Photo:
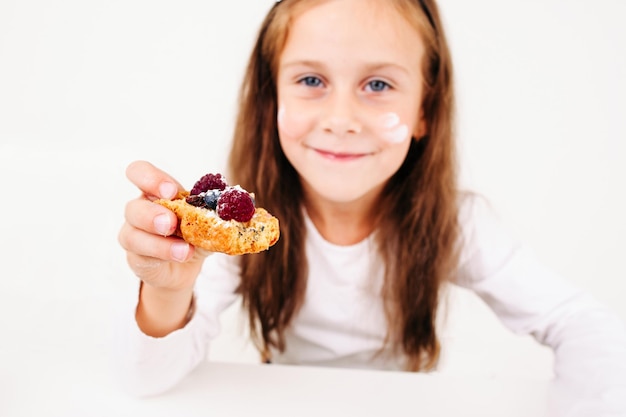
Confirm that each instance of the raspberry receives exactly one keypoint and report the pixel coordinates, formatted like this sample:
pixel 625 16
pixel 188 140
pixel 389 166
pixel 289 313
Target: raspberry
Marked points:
pixel 235 204
pixel 209 182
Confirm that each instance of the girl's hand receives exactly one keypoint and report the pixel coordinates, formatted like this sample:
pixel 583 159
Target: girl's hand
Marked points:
pixel 158 258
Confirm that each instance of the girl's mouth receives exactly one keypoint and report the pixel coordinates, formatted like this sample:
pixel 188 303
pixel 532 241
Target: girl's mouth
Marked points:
pixel 339 156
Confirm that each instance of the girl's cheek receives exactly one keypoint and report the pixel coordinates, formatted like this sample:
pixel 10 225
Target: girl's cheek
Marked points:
pixel 293 125
pixel 391 129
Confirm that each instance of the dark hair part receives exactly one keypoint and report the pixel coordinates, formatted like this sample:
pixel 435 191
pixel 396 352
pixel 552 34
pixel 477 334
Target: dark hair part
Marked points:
pixel 416 230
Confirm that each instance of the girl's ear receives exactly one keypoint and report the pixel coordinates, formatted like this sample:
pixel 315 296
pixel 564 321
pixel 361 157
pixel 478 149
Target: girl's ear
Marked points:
pixel 421 128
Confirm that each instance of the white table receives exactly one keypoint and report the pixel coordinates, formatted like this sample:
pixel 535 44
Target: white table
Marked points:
pixel 43 384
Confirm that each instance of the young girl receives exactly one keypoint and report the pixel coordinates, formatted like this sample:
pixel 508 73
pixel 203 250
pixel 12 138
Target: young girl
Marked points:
pixel 345 133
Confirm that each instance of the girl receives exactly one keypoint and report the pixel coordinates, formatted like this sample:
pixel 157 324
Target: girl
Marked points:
pixel 345 134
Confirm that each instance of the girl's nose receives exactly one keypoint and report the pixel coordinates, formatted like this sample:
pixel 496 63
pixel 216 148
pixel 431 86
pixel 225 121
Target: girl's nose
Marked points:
pixel 340 117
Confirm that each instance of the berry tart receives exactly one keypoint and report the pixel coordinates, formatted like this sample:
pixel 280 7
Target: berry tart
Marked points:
pixel 222 218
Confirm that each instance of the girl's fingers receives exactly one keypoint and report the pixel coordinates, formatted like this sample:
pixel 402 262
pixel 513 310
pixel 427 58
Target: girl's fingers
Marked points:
pixel 147 245
pixel 150 217
pixel 145 268
pixel 153 182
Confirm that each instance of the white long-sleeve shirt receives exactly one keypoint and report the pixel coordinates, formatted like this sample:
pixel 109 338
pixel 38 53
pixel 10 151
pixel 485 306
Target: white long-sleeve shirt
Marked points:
pixel 342 322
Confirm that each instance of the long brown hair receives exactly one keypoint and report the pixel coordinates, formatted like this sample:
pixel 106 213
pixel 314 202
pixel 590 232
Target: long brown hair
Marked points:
pixel 417 224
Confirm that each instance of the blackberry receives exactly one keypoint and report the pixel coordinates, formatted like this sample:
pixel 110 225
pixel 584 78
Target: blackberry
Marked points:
pixel 209 182
pixel 235 204
pixel 196 200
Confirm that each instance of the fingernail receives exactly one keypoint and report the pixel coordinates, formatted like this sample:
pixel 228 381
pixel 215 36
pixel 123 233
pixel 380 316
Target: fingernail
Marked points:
pixel 162 224
pixel 167 190
pixel 179 251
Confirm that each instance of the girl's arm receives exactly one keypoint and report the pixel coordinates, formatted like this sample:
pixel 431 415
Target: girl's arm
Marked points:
pixel 588 340
pixel 161 311
pixel 149 365
pixel 166 265
pixel 164 338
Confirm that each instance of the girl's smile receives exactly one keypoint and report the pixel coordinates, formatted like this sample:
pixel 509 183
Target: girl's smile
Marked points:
pixel 340 156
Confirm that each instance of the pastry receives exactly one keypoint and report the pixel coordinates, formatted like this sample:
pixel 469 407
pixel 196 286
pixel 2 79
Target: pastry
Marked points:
pixel 222 218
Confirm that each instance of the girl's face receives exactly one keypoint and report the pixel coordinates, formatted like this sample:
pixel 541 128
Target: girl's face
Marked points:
pixel 349 91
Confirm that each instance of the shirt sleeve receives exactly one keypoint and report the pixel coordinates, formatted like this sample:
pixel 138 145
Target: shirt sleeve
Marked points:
pixel 588 340
pixel 151 365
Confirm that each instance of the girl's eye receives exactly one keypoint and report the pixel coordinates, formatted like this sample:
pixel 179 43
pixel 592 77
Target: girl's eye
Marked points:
pixel 377 86
pixel 311 81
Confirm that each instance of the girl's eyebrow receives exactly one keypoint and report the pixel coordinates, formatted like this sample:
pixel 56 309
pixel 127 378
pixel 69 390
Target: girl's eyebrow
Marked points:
pixel 302 63
pixel 387 65
pixel 374 66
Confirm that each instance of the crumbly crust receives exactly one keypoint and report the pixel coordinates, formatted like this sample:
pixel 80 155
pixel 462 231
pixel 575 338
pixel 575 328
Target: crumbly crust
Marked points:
pixel 203 228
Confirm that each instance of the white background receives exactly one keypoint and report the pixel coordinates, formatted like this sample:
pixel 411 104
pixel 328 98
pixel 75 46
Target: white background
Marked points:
pixel 87 87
